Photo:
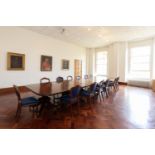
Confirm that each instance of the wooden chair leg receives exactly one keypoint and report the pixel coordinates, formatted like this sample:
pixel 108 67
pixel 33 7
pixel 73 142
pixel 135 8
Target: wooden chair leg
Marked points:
pixel 35 111
pixel 18 113
pixel 71 110
pixel 100 97
pixel 72 121
pixel 78 104
pixel 30 108
pixel 107 94
pixel 93 99
pixel 118 87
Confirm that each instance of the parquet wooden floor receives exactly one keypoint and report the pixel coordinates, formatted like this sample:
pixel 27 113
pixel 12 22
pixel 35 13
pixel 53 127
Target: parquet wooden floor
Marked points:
pixel 129 107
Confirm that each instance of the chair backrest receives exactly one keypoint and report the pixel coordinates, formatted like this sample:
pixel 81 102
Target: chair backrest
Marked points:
pixel 75 91
pixel 117 79
pixel 59 79
pixel 107 83
pixel 86 76
pixel 45 80
pixel 78 77
pixel 69 78
pixel 93 87
pixel 17 92
pixel 100 84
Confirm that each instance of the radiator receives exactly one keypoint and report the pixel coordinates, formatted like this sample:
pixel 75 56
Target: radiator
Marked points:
pixel 145 84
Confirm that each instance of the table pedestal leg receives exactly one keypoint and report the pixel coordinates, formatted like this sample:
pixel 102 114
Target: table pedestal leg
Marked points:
pixel 45 103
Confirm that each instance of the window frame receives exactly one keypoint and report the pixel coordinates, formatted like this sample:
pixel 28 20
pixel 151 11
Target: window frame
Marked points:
pixel 136 45
pixel 96 63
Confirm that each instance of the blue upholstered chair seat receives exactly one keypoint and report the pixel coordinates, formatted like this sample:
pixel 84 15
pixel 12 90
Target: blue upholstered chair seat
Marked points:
pixel 29 101
pixel 87 93
pixel 90 92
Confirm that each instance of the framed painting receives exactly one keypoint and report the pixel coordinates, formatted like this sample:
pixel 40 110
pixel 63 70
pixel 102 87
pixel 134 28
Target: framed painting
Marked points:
pixel 15 61
pixel 46 63
pixel 65 64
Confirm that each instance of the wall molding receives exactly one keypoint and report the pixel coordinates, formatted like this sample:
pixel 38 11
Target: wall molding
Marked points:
pixel 123 83
pixel 10 90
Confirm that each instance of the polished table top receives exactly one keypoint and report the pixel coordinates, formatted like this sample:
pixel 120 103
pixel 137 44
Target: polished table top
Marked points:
pixel 49 89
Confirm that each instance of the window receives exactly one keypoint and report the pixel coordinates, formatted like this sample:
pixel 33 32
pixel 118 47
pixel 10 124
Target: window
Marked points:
pixel 101 63
pixel 140 62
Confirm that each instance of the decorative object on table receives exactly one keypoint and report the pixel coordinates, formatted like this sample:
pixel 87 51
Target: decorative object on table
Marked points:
pixel 15 61
pixel 46 63
pixel 65 64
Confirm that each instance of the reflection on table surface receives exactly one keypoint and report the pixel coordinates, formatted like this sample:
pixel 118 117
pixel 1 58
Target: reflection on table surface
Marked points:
pixel 48 89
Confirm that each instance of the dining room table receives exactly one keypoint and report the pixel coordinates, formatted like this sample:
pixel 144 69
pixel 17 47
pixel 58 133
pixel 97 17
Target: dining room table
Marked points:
pixel 45 91
pixel 49 89
pixel 52 88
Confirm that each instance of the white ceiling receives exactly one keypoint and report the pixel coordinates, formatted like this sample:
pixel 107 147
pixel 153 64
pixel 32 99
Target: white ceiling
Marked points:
pixel 95 36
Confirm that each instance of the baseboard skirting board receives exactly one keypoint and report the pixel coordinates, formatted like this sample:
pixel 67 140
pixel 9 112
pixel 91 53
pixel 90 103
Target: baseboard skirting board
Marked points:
pixel 123 83
pixel 10 90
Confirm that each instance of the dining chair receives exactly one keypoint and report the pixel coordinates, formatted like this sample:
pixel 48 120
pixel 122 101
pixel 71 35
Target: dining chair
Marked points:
pixel 98 89
pixel 105 88
pixel 59 79
pixel 117 83
pixel 70 101
pixel 114 84
pixel 90 93
pixel 57 97
pixel 45 80
pixel 78 77
pixel 72 98
pixel 69 78
pixel 25 102
pixel 86 77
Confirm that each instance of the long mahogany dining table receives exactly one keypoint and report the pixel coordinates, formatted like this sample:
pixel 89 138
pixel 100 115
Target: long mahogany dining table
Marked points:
pixel 52 88
pixel 46 90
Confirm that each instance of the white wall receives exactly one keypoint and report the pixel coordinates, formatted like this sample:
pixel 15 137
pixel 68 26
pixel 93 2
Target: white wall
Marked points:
pixel 33 45
pixel 118 59
pixel 90 61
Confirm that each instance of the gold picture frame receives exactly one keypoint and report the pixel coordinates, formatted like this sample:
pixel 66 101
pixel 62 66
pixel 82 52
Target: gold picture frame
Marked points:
pixel 65 64
pixel 46 63
pixel 15 61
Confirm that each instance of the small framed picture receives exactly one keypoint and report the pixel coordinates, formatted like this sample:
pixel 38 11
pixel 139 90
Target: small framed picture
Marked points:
pixel 46 63
pixel 15 61
pixel 65 64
